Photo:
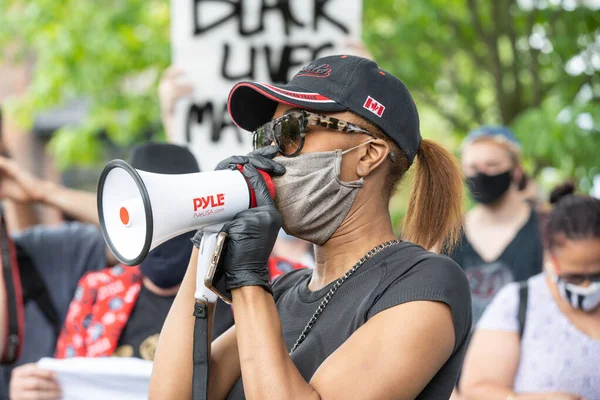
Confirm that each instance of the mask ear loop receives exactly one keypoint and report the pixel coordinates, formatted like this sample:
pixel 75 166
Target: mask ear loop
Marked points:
pixel 357 146
pixel 361 181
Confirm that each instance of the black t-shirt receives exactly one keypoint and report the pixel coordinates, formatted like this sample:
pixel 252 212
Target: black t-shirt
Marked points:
pixel 522 258
pixel 402 273
pixel 61 255
pixel 140 335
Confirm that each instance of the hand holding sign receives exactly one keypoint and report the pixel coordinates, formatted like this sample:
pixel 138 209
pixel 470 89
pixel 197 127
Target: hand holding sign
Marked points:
pixel 29 381
pixel 173 87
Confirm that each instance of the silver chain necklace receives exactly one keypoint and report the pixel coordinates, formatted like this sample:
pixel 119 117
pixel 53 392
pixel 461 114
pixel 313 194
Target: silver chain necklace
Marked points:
pixel 335 287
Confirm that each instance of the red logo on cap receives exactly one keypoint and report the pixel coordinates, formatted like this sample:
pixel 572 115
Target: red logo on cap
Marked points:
pixel 374 106
pixel 316 71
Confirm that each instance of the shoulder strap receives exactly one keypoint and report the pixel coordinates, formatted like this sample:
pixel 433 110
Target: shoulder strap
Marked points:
pixel 200 353
pixel 522 313
pixel 34 288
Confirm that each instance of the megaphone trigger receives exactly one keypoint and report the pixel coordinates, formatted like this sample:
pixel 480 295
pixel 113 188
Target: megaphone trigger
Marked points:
pixel 268 181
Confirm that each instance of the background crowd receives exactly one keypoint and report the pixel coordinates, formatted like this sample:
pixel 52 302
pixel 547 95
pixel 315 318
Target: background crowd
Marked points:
pixel 511 87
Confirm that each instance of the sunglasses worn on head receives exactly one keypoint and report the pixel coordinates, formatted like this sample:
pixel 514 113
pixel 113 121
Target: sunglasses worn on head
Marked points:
pixel 289 130
pixel 578 279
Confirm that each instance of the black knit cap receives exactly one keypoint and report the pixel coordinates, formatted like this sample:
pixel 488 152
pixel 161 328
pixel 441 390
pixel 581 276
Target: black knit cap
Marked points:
pixel 163 158
pixel 334 84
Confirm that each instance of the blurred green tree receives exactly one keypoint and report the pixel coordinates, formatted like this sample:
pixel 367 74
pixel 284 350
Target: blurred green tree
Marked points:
pixel 529 64
pixel 109 53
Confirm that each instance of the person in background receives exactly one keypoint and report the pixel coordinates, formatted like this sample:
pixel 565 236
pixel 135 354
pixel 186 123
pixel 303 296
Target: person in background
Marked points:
pixel 552 351
pixel 22 188
pixel 120 310
pixel 501 240
pixel 51 259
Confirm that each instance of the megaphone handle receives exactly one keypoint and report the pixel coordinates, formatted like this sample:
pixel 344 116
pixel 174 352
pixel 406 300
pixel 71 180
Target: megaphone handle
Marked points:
pixel 205 253
pixel 201 364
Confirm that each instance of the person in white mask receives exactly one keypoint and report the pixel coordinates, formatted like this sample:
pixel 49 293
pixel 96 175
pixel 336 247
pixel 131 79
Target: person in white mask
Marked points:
pixel 544 335
pixel 378 317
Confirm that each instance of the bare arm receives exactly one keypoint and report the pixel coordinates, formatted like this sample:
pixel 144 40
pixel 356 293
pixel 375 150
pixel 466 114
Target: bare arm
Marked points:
pixel 24 189
pixel 490 380
pixel 172 371
pixel 79 204
pixel 403 360
pixel 482 379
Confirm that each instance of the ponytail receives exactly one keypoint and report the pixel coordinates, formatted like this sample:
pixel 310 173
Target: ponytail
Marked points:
pixel 435 208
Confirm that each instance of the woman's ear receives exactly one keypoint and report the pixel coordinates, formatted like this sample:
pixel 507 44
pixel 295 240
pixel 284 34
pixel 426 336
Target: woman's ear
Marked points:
pixel 551 264
pixel 375 153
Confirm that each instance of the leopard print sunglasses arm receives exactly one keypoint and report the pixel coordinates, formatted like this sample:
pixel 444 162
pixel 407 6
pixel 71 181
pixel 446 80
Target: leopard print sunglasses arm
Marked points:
pixel 340 125
pixel 333 123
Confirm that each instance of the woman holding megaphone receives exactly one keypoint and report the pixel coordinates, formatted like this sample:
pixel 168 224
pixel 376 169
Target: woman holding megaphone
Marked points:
pixel 378 317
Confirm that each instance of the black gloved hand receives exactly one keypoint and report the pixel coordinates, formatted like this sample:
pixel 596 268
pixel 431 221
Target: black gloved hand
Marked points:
pixel 261 158
pixel 251 237
pixel 258 273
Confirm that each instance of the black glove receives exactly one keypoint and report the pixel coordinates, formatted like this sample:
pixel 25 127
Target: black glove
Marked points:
pixel 251 237
pixel 260 158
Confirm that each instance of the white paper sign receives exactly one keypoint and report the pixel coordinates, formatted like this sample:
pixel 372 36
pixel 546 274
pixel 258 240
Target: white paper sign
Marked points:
pixel 221 42
pixel 102 378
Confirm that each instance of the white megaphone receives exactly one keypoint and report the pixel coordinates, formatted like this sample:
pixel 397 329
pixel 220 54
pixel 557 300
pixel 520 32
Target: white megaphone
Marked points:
pixel 140 210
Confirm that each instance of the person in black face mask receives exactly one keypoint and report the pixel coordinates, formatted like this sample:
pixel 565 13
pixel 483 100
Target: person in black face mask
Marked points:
pixel 501 241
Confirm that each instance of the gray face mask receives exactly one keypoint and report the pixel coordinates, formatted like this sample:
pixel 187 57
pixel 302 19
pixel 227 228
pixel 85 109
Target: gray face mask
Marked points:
pixel 311 197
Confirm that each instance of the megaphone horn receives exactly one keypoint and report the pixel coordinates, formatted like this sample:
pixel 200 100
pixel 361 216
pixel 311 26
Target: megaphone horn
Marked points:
pixel 139 210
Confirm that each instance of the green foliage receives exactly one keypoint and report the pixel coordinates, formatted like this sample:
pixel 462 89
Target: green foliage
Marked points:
pixel 109 52
pixel 468 62
pixel 477 62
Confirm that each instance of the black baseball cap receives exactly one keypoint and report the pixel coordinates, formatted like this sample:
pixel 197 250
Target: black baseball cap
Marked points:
pixel 163 158
pixel 334 84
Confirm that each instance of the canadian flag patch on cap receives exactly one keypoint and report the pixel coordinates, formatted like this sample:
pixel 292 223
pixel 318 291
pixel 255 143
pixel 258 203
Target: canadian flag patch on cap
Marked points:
pixel 374 106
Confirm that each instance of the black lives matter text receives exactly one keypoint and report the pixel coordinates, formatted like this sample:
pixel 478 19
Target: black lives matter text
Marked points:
pixel 281 60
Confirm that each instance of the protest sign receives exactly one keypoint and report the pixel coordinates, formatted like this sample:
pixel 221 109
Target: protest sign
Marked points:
pixel 221 42
pixel 101 378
